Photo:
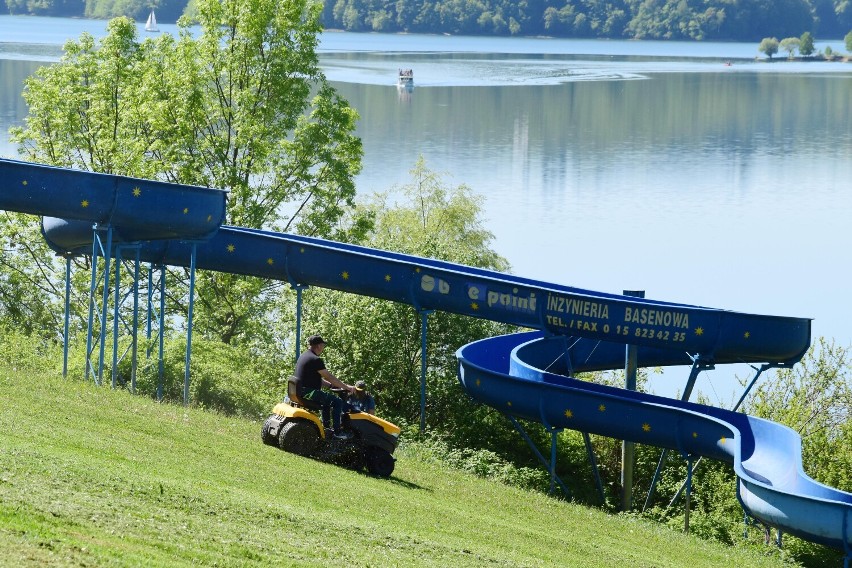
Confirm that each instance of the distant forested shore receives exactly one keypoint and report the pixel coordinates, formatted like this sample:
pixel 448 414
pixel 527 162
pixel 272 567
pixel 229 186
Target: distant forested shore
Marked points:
pixel 717 20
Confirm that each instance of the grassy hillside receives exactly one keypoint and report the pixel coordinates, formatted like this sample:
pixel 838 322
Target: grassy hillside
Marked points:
pixel 95 477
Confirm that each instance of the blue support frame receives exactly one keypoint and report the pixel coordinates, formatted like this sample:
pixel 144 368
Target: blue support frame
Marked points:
pixel 592 460
pixel 67 315
pixel 119 300
pixel 160 313
pixel 424 328
pixel 540 456
pixel 98 246
pixel 698 365
pixel 192 259
pixel 299 288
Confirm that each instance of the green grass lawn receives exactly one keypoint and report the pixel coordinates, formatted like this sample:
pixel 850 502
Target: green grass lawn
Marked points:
pixel 90 476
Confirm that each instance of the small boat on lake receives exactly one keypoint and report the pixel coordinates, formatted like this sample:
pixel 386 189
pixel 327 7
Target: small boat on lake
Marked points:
pixel 405 79
pixel 151 24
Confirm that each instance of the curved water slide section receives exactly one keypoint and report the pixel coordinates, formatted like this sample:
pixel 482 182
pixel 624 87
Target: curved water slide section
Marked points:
pixel 506 373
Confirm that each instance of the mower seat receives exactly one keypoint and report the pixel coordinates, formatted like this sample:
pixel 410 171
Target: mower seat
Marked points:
pixel 296 400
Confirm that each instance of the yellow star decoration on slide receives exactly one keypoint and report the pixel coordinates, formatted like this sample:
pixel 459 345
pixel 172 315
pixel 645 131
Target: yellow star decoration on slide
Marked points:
pixel 85 203
pixel 270 261
pixel 137 192
pixel 302 250
pixel 479 382
pixel 646 427
pixel 695 434
pixel 722 440
pixel 602 408
pixel 569 414
pixel 209 218
pixel 387 277
pixel 509 403
pixel 474 306
pixel 185 210
pixel 345 275
pixel 699 331
pixel 231 248
pixel 747 334
pixel 24 182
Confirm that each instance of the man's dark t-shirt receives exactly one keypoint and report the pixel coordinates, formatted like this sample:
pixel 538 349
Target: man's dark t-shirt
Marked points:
pixel 307 373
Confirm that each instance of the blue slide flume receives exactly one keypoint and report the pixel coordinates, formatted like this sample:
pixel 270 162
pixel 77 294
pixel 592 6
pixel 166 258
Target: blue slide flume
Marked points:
pixel 525 375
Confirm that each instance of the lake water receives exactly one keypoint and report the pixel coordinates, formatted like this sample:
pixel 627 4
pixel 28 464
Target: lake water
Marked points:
pixel 607 165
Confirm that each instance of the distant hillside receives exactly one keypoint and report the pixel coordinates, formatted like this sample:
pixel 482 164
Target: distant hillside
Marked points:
pixel 94 477
pixel 748 20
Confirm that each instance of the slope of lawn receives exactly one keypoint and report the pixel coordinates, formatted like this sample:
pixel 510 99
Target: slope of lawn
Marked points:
pixel 91 476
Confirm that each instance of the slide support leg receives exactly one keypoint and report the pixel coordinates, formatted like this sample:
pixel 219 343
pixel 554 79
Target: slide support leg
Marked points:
pixel 67 315
pixel 697 367
pixel 628 448
pixel 592 460
pixel 424 320
pixel 189 324
pixel 538 454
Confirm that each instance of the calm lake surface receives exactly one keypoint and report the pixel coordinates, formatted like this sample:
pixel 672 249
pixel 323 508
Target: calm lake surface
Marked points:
pixel 607 165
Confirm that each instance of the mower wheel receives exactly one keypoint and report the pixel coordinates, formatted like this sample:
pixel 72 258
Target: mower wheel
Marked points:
pixel 379 461
pixel 298 437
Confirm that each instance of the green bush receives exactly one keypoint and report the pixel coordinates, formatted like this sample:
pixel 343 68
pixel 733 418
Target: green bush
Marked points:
pixel 480 462
pixel 223 378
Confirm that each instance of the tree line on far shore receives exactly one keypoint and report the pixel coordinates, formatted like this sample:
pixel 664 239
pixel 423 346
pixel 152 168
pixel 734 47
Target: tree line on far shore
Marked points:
pixel 804 45
pixel 749 20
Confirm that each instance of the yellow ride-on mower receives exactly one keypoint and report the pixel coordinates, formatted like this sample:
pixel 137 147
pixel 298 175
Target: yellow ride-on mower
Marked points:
pixel 294 426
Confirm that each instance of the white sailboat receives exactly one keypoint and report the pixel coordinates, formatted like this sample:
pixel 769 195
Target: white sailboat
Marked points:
pixel 151 24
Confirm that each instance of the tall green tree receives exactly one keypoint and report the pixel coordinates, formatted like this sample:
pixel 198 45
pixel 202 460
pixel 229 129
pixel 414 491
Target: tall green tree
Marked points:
pixel 238 103
pixel 790 45
pixel 806 44
pixel 768 46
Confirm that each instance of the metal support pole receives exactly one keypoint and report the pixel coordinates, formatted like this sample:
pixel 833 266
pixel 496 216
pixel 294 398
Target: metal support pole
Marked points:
pixel 537 453
pixel 751 384
pixel 67 315
pixel 697 367
pixel 91 320
pixel 107 258
pixel 115 305
pixel 553 436
pixel 590 451
pixel 189 324
pixel 161 366
pixel 628 448
pixel 133 363
pixel 149 310
pixel 688 492
pixel 424 315
pixel 298 288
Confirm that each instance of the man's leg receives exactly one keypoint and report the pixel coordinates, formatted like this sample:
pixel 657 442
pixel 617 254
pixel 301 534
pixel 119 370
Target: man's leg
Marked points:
pixel 325 400
pixel 326 413
pixel 337 409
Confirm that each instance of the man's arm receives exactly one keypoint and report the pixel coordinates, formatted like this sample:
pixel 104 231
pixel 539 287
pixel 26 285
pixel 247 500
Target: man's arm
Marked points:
pixel 334 381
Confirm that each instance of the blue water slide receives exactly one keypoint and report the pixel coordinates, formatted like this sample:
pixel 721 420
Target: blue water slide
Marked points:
pixel 505 373
pixel 526 374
